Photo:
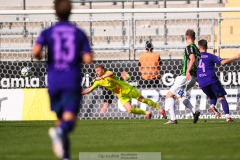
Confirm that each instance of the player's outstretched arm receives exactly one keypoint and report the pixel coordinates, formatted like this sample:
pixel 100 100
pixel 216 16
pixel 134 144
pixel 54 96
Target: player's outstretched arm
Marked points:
pixel 125 75
pixel 229 60
pixel 37 52
pixel 86 91
pixel 107 74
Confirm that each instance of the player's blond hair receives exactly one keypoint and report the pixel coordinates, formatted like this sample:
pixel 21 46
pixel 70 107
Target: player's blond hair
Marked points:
pixel 99 66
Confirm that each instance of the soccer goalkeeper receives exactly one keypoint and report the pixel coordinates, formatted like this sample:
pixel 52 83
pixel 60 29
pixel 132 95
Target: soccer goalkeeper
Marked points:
pixel 124 91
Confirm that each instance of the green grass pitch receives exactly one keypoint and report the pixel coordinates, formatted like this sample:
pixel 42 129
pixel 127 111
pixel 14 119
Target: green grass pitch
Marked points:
pixel 211 140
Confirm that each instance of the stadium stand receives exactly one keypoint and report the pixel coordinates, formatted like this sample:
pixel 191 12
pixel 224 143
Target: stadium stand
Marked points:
pixel 111 35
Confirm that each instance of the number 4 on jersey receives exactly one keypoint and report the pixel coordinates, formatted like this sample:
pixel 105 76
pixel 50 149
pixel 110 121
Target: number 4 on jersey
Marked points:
pixel 201 65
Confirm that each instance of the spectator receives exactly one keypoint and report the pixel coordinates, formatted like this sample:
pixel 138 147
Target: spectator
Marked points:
pixel 149 66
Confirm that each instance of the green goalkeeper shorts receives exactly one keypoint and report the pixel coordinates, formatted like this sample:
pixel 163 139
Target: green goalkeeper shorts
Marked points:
pixel 134 93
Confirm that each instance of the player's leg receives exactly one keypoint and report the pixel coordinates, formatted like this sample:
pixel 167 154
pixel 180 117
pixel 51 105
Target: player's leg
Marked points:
pixel 71 109
pixel 107 97
pixel 55 103
pixel 70 100
pixel 213 108
pixel 170 107
pixel 130 109
pixel 186 86
pixel 225 107
pixel 213 99
pixel 220 93
pixel 64 129
pixel 59 117
pixel 177 90
pixel 126 102
pixel 137 95
pixel 104 106
pixel 152 104
pixel 183 99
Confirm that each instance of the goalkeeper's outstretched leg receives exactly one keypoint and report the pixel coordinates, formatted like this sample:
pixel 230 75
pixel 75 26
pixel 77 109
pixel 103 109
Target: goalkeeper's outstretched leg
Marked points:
pixel 135 94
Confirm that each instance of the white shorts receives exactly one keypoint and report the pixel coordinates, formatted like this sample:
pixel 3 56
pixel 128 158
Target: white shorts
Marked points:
pixel 182 85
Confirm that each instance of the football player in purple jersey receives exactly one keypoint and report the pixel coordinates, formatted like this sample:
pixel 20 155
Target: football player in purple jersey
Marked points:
pixel 67 47
pixel 208 80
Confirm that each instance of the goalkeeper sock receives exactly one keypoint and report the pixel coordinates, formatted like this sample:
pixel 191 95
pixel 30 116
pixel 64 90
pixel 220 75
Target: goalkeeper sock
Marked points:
pixel 225 106
pixel 137 111
pixel 150 103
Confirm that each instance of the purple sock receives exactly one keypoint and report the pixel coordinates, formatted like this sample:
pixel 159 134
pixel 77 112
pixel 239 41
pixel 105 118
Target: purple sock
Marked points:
pixel 213 101
pixel 66 146
pixel 225 106
pixel 66 128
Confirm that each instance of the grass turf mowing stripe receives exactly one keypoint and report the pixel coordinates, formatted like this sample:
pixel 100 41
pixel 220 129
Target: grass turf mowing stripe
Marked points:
pixel 214 139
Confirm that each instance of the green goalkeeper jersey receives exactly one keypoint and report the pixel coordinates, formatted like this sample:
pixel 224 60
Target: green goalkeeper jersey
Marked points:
pixel 112 83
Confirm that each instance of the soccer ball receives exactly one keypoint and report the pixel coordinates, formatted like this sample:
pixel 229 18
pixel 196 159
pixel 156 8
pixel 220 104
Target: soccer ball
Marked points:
pixel 26 72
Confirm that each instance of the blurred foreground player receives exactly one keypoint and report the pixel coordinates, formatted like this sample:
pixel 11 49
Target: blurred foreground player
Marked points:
pixel 67 47
pixel 208 80
pixel 124 91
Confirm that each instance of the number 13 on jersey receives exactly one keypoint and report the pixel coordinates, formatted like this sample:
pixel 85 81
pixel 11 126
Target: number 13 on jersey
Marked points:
pixel 63 48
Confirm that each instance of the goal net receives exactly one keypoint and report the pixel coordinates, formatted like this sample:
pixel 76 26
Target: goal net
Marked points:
pixel 117 40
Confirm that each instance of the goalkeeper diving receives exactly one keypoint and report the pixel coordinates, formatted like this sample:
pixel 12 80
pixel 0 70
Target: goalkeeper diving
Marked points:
pixel 124 91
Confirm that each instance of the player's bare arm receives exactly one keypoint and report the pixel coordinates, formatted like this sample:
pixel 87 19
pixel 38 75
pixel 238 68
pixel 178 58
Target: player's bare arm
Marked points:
pixel 86 91
pixel 125 75
pixel 229 60
pixel 190 66
pixel 37 52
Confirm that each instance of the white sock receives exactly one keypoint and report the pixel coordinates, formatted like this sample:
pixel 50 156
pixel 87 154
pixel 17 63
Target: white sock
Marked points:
pixel 169 104
pixel 227 116
pixel 187 103
pixel 212 106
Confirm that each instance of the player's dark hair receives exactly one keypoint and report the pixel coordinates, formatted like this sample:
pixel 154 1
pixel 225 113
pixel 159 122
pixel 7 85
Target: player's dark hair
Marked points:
pixel 149 46
pixel 63 9
pixel 99 66
pixel 203 44
pixel 190 33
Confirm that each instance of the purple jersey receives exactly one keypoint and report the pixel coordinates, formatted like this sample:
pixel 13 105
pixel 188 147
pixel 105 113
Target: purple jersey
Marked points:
pixel 206 69
pixel 65 44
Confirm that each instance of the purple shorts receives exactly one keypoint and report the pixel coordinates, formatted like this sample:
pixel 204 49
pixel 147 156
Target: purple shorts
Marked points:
pixel 214 91
pixel 64 101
